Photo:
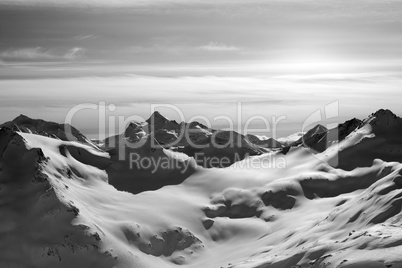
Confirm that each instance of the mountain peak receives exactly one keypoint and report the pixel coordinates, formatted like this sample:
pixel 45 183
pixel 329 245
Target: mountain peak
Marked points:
pixel 158 121
pixel 318 129
pixel 384 113
pixel 21 116
pixel 348 126
pixel 157 118
pixel 22 119
pixel 26 124
pixel 382 118
pixel 157 115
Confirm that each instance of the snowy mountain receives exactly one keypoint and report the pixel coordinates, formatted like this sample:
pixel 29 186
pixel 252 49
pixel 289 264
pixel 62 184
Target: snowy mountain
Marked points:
pixel 69 204
pixel 286 141
pixel 193 139
pixel 320 138
pixel 25 124
pixel 265 142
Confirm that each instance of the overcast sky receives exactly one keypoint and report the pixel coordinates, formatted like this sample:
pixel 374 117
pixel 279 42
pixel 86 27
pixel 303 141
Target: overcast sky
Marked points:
pixel 277 57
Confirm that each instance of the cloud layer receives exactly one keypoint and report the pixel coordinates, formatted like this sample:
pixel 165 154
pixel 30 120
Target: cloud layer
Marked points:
pixel 40 54
pixel 204 55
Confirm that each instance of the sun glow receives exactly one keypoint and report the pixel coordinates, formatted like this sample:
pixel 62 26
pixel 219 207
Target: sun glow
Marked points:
pixel 313 63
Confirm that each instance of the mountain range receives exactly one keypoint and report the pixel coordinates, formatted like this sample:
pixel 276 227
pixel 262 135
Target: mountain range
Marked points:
pixel 335 200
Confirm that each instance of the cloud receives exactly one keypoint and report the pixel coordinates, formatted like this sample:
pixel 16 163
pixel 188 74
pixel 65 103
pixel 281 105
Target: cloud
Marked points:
pixel 181 48
pixel 83 37
pixel 117 3
pixel 74 53
pixel 158 48
pixel 26 53
pixel 39 54
pixel 218 47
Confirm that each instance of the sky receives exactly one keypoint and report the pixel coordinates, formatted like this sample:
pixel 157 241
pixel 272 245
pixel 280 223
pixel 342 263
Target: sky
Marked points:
pixel 275 59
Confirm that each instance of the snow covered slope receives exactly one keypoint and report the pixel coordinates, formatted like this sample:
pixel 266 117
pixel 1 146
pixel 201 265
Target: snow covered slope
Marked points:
pixel 316 209
pixel 36 227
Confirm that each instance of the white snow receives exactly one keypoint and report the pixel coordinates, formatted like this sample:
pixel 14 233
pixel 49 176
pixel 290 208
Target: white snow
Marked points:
pixel 262 137
pixel 291 138
pixel 306 213
pixel 208 133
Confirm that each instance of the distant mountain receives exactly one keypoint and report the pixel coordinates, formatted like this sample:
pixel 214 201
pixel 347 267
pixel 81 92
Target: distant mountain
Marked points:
pixel 265 143
pixel 384 122
pixel 286 141
pixel 157 121
pixel 312 136
pixel 320 138
pixel 26 124
pixel 384 142
pixel 210 147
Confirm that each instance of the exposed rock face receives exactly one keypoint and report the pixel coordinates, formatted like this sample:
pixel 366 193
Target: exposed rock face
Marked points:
pixel 45 128
pixel 384 122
